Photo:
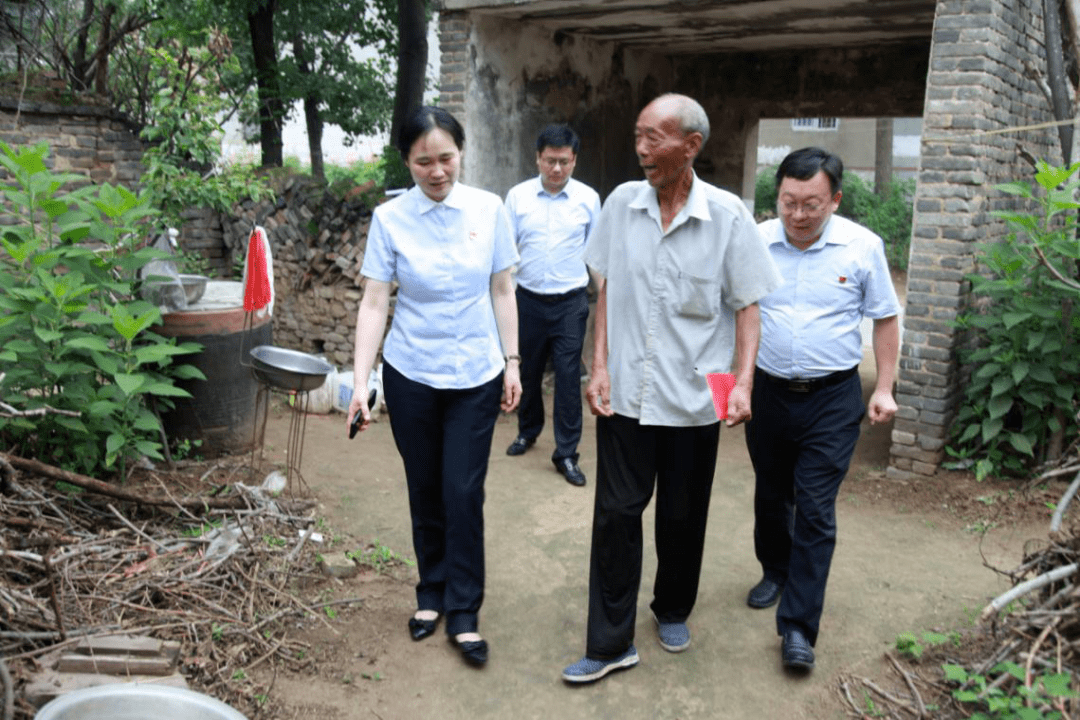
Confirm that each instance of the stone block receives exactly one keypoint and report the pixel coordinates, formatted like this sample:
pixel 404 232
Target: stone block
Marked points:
pixel 931 443
pixel 903 438
pixel 914 453
pixel 901 471
pixel 898 465
pixel 925 468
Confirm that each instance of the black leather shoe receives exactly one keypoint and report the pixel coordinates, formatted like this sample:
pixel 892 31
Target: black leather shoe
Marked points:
pixel 420 629
pixel 796 651
pixel 570 470
pixel 520 445
pixel 764 594
pixel 474 652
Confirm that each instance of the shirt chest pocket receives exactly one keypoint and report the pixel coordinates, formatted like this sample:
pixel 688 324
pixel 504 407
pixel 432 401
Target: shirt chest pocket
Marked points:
pixel 696 297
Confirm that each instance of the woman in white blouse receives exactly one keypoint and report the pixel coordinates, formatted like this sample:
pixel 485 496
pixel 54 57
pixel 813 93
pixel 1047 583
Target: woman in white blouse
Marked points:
pixel 450 356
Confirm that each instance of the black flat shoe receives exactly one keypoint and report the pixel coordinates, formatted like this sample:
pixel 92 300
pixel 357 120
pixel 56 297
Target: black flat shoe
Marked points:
pixel 420 629
pixel 474 652
pixel 520 445
pixel 796 652
pixel 765 594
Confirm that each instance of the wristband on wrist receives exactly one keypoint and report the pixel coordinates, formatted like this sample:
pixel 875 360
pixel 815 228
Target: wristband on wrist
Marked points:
pixel 508 358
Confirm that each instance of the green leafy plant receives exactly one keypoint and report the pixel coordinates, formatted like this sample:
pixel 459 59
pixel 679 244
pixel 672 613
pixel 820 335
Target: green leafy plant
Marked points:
pixel 79 357
pixel 1022 391
pixel 378 556
pixel 183 161
pixel 888 214
pixel 1010 699
pixel 911 645
pixel 395 173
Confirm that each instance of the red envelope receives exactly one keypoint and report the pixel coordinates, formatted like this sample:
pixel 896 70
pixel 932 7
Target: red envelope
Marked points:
pixel 720 384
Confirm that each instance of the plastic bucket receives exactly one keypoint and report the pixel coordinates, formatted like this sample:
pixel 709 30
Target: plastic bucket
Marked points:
pixel 221 410
pixel 136 702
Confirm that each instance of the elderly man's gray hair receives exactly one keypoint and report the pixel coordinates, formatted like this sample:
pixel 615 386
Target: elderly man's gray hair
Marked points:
pixel 690 114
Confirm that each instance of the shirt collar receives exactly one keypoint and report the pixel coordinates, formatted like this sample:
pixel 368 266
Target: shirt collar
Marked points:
pixel 697 204
pixel 831 235
pixel 540 190
pixel 424 204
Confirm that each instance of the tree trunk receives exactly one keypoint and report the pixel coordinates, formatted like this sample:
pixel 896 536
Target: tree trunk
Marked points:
pixel 312 116
pixel 79 80
pixel 271 109
pixel 883 156
pixel 101 72
pixel 1056 78
pixel 412 62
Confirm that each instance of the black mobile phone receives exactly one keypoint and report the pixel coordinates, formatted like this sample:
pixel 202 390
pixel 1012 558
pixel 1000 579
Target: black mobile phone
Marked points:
pixel 355 426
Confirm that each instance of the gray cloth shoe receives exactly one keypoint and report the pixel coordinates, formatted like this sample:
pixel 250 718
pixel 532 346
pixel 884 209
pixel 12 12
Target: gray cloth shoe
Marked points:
pixel 674 637
pixel 587 669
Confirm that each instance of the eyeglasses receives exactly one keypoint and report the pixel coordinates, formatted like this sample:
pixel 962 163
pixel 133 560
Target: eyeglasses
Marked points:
pixel 552 163
pixel 808 208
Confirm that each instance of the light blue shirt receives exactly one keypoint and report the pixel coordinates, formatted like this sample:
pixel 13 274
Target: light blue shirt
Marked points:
pixel 672 297
pixel 443 256
pixel 551 232
pixel 810 325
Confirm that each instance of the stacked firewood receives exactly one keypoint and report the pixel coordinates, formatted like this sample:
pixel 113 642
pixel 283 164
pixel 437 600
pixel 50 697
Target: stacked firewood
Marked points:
pixel 317 238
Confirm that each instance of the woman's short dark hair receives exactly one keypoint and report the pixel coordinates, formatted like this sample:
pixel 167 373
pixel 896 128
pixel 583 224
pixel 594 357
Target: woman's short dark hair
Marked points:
pixel 557 136
pixel 423 120
pixel 806 163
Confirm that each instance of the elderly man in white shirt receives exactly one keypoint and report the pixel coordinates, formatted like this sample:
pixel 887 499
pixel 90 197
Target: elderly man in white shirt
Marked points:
pixel 552 216
pixel 682 267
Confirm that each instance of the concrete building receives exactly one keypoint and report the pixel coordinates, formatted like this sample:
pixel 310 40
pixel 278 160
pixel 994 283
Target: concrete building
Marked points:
pixel 510 66
pixel 853 139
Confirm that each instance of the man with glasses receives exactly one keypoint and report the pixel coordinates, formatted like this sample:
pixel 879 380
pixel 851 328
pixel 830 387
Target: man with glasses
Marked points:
pixel 552 216
pixel 806 405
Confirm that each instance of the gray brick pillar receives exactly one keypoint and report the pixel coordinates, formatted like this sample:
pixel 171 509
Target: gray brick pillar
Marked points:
pixel 978 101
pixel 454 30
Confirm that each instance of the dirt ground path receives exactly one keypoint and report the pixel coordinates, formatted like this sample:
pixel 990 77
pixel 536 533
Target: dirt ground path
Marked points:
pixel 904 562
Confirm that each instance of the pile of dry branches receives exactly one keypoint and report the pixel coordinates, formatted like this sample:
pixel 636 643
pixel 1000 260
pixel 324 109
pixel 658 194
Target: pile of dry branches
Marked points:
pixel 218 573
pixel 1034 628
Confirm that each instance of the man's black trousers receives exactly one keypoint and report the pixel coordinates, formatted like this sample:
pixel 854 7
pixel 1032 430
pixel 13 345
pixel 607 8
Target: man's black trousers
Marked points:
pixel 632 459
pixel 801 445
pixel 444 438
pixel 552 325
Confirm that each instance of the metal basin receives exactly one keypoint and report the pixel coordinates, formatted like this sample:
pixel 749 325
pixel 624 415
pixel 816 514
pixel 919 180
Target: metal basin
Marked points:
pixel 289 369
pixel 136 702
pixel 194 287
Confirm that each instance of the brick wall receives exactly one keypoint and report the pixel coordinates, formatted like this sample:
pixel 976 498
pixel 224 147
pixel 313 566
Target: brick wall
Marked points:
pixel 454 31
pixel 93 141
pixel 976 88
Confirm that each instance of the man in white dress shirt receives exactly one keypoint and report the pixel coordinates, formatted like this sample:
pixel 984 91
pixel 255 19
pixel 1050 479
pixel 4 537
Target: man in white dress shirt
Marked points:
pixel 807 397
pixel 552 216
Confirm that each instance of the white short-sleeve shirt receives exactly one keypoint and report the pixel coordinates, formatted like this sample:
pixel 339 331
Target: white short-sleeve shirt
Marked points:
pixel 810 325
pixel 551 232
pixel 672 297
pixel 442 254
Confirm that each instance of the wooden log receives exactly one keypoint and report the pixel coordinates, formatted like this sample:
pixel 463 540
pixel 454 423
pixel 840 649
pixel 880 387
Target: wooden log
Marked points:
pixel 103 488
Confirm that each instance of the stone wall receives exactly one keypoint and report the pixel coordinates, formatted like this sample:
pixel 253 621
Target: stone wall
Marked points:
pixel 317 243
pixel 976 89
pixel 93 141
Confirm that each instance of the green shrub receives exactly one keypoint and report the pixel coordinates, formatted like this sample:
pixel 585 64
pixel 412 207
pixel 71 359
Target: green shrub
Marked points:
pixel 888 215
pixel 75 341
pixel 1005 695
pixel 1023 361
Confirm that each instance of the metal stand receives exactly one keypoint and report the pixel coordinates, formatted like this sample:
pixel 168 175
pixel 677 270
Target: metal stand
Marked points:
pixel 294 444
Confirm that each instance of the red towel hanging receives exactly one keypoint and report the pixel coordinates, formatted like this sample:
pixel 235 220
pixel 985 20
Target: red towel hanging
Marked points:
pixel 257 290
